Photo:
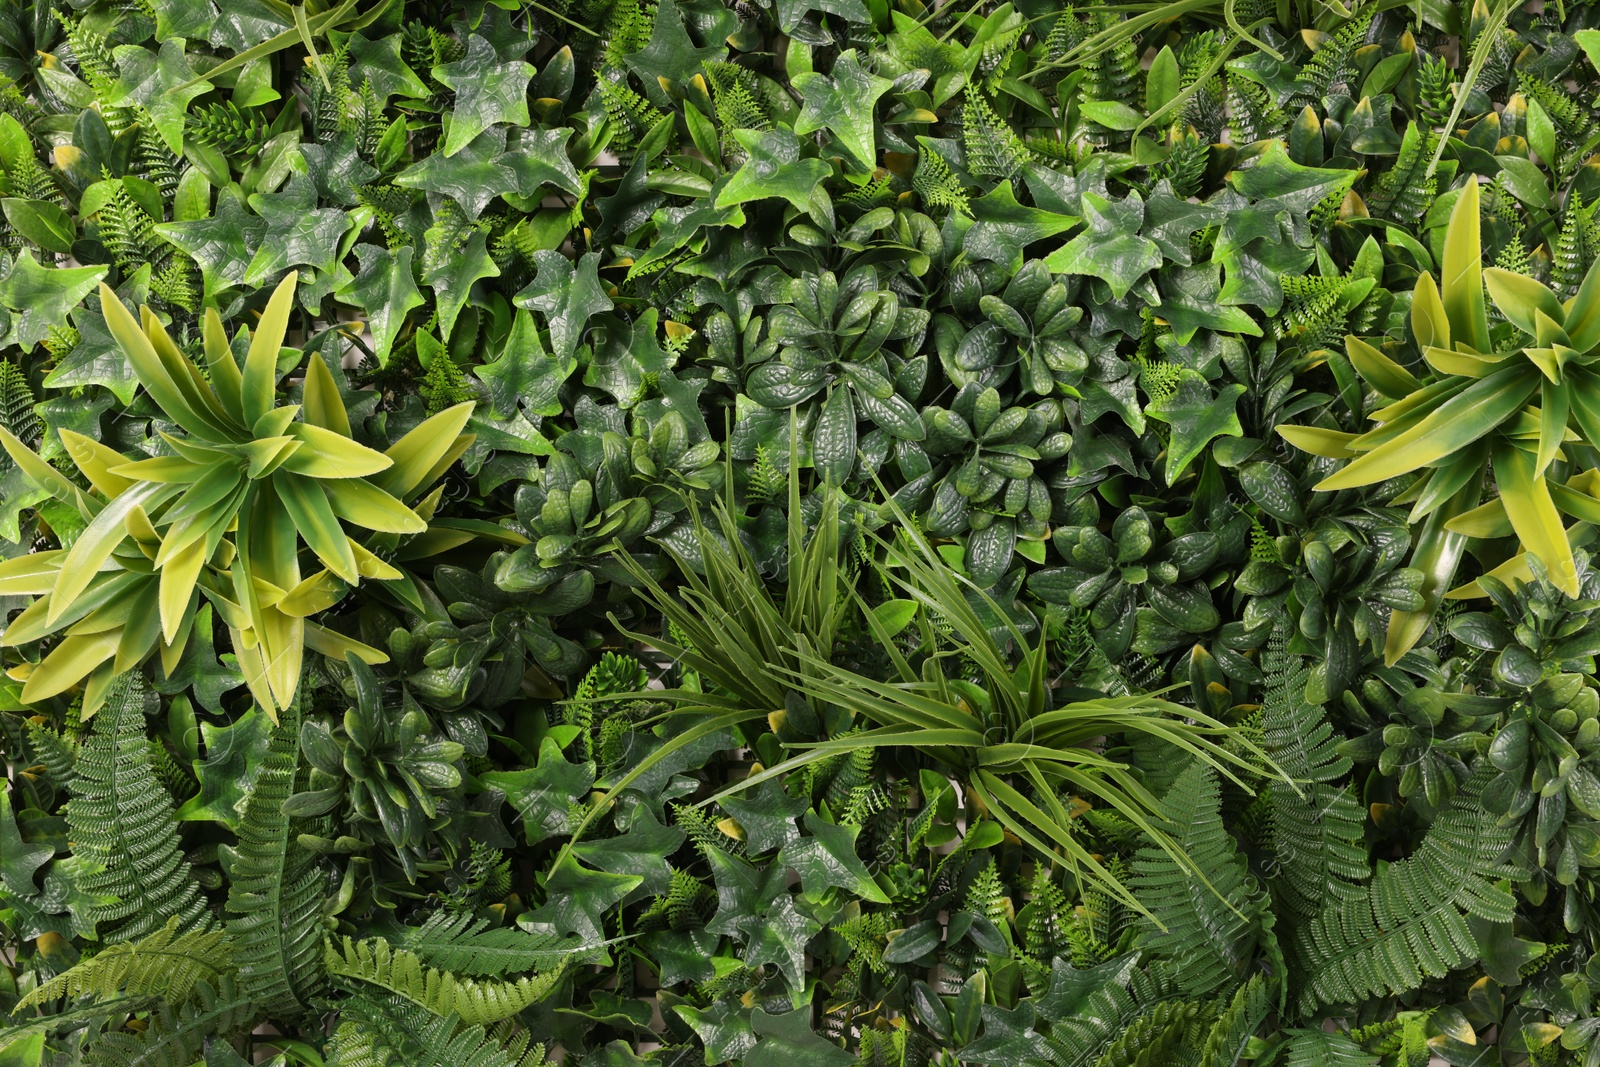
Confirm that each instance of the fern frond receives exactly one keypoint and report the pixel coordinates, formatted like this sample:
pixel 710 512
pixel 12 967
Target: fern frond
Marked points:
pixel 1329 65
pixel 1317 1048
pixel 165 964
pixel 176 1037
pixel 1253 115
pixel 1211 926
pixel 461 943
pixel 1158 1037
pixel 1411 921
pixel 937 184
pixel 277 888
pixel 16 404
pixel 378 1031
pixel 1238 1023
pixel 1576 248
pixel 122 825
pixel 404 974
pixel 1406 189
pixel 993 149
pixel 1317 824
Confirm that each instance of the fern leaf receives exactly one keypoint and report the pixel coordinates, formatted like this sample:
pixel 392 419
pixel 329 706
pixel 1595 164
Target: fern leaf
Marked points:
pixel 460 943
pixel 404 974
pixel 122 825
pixel 1316 823
pixel 166 964
pixel 1211 926
pixel 1238 1023
pixel 176 1037
pixel 16 404
pixel 1317 1048
pixel 1406 190
pixel 379 1031
pixel 276 894
pixel 993 150
pixel 1411 921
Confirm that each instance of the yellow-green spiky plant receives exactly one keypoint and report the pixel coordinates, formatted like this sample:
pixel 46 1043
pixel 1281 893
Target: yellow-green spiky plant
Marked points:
pixel 1507 408
pixel 250 485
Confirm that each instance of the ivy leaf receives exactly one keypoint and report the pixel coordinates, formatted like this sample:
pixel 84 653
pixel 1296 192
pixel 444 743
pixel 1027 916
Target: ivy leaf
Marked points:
pixel 1196 418
pixel 577 899
pixel 789 1039
pixel 199 671
pixel 780 939
pixel 385 290
pixel 451 278
pixel 95 359
pixel 1009 1039
pixel 473 177
pixel 544 793
pixel 1251 274
pixel 629 359
pixel 233 762
pixel 337 170
pixel 773 168
pixel 1284 190
pixel 223 244
pixel 767 815
pixel 1189 302
pixel 298 233
pixel 642 849
pixel 1170 221
pixel 842 103
pixel 525 373
pixel 1003 227
pixel 671 53
pixel 488 91
pixel 828 858
pixel 380 65
pixel 677 226
pixel 1111 248
pixel 160 83
pixel 723 1028
pixel 41 297
pixel 19 861
pixel 743 893
pixel 567 295
pixel 540 159
pixel 792 12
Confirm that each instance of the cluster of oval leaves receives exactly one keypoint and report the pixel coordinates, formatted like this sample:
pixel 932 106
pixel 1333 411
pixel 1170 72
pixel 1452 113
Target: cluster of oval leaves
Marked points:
pixel 1038 283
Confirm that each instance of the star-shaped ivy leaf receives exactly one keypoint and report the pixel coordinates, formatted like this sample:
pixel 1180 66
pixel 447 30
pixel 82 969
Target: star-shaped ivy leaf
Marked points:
pixel 566 295
pixel 337 170
pixel 780 939
pixel 298 233
pixel 1287 190
pixel 628 360
pixel 744 893
pixel 642 850
pixel 380 65
pixel 671 53
pixel 525 373
pixel 842 103
pixel 723 1028
pixel 828 858
pixel 472 177
pixel 1189 303
pixel 677 226
pixel 788 1039
pixel 199 671
pixel 577 899
pixel 452 277
pixel 792 12
pixel 1008 1039
pixel 773 167
pixel 229 771
pixel 1170 221
pixel 223 244
pixel 540 159
pixel 385 290
pixel 488 91
pixel 766 815
pixel 1196 417
pixel 19 860
pixel 1111 248
pixel 96 359
pixel 162 83
pixel 543 794
pixel 1252 274
pixel 1003 227
pixel 40 297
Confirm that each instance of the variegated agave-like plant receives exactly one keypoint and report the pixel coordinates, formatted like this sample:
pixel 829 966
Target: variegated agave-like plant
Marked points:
pixel 1512 409
pixel 250 485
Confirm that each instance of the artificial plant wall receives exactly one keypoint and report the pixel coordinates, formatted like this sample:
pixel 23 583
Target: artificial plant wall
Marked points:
pixel 815 533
